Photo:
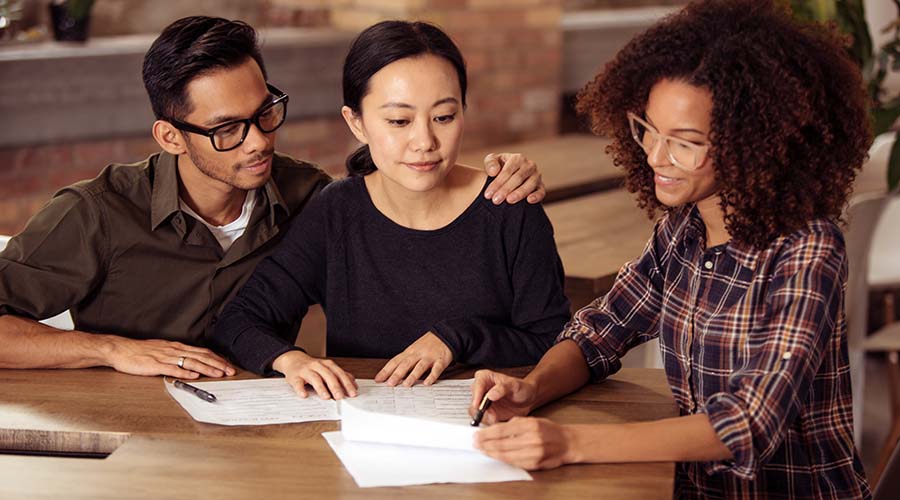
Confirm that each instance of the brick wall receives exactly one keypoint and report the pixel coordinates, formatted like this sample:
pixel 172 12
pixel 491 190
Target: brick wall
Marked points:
pixel 513 49
pixel 119 17
pixel 513 53
pixel 30 175
pixel 570 5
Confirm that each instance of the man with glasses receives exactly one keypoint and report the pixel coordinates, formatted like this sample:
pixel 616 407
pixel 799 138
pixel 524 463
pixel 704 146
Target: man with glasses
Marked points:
pixel 145 255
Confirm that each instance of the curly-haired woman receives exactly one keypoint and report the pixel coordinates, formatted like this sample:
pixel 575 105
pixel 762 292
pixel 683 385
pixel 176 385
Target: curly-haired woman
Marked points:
pixel 746 129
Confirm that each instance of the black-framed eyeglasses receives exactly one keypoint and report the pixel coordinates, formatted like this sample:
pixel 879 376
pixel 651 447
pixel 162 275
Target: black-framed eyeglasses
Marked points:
pixel 230 135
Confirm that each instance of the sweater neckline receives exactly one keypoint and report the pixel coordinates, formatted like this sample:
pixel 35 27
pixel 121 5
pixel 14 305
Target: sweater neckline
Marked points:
pixel 388 222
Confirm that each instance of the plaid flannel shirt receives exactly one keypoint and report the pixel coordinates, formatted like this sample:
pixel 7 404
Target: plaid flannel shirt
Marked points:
pixel 756 340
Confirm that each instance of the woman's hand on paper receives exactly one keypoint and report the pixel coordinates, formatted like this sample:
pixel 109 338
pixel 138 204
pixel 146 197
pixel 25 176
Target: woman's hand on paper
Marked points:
pixel 530 443
pixel 327 378
pixel 427 353
pixel 510 396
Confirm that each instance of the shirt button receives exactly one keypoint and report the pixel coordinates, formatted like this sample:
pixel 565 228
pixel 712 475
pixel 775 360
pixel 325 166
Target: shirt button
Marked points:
pixel 786 356
pixel 708 264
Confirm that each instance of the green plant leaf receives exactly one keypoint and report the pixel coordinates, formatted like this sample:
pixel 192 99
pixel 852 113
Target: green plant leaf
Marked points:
pixel 850 17
pixel 79 9
pixel 885 116
pixel 893 171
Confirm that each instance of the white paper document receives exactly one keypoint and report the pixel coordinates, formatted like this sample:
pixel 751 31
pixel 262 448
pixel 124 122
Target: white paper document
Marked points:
pixel 253 402
pixel 398 437
pixel 358 424
pixel 376 464
pixel 391 436
pixel 447 399
pixel 273 401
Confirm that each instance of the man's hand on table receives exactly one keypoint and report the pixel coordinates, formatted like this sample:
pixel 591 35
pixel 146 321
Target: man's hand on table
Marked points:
pixel 163 357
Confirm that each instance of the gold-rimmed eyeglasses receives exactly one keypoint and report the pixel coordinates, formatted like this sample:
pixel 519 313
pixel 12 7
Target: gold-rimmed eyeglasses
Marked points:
pixel 682 153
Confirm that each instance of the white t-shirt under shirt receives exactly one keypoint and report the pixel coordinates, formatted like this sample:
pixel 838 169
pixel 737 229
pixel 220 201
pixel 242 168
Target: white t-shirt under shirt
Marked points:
pixel 229 233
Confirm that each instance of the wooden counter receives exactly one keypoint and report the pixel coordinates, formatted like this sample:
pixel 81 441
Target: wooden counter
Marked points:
pixel 160 452
pixel 595 236
pixel 571 165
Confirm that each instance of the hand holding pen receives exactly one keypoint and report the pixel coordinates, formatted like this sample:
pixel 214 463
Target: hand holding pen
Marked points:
pixel 479 413
pixel 499 397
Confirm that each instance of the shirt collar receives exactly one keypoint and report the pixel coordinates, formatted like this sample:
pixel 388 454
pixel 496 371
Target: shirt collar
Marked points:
pixel 278 209
pixel 694 229
pixel 164 199
pixel 745 255
pixel 695 233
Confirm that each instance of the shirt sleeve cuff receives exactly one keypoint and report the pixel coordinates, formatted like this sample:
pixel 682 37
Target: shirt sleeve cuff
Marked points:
pixel 732 425
pixel 450 337
pixel 260 352
pixel 600 363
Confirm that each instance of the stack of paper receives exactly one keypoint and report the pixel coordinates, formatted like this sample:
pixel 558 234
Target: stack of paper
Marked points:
pixel 396 436
pixel 390 436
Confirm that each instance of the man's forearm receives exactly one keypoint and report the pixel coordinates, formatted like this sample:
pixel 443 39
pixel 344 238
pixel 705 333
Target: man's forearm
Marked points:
pixel 30 344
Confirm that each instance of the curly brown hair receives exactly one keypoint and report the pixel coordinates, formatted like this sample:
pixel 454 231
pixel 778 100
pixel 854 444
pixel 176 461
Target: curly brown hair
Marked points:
pixel 790 127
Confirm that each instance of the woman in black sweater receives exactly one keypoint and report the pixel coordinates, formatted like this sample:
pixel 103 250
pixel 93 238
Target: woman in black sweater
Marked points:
pixel 407 256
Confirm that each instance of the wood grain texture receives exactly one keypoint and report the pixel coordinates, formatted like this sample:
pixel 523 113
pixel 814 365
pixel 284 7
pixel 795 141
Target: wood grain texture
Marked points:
pixel 595 236
pixel 170 455
pixel 571 165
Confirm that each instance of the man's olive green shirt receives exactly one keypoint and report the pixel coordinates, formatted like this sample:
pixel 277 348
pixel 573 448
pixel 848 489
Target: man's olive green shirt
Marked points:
pixel 121 255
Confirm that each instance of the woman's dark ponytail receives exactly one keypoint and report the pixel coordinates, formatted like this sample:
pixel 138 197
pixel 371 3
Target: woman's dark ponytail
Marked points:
pixel 360 162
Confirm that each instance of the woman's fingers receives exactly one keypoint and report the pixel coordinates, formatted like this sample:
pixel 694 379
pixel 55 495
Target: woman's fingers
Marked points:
pixel 388 368
pixel 418 370
pixel 327 378
pixel 436 370
pixel 406 364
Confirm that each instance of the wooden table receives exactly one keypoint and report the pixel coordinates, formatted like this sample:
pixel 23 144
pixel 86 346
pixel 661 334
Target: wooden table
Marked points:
pixel 595 236
pixel 163 453
pixel 571 165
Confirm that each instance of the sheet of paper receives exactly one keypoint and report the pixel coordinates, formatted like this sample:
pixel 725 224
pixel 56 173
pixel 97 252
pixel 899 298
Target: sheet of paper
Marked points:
pixel 419 435
pixel 253 402
pixel 446 400
pixel 358 424
pixel 272 401
pixel 376 464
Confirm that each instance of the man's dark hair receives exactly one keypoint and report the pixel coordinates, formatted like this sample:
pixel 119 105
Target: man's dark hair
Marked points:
pixel 191 47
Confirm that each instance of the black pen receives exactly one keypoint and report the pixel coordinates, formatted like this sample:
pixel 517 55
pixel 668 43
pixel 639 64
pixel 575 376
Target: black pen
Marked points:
pixel 200 393
pixel 483 407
